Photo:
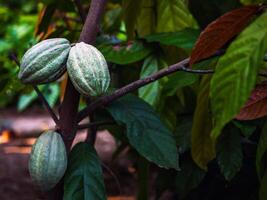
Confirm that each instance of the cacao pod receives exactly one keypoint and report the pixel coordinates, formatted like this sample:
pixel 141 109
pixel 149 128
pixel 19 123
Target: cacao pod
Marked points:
pixel 48 160
pixel 44 62
pixel 88 70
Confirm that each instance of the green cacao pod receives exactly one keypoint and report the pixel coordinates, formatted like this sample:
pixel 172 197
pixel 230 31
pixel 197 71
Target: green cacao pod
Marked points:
pixel 44 62
pixel 88 70
pixel 48 160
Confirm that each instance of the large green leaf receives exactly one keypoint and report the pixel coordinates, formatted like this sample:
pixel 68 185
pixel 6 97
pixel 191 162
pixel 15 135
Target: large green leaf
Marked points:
pixel 124 54
pixel 229 152
pixel 185 38
pixel 202 146
pixel 261 152
pixel 188 178
pixel 145 131
pixel 173 15
pixel 83 179
pixel 151 92
pixel 236 73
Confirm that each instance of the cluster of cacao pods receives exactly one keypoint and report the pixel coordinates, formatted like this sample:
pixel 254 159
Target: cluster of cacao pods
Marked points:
pixel 46 62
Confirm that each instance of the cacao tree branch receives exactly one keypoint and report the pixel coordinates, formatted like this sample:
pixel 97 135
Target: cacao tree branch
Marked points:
pixel 70 102
pixel 180 66
pixel 39 94
pixel 69 107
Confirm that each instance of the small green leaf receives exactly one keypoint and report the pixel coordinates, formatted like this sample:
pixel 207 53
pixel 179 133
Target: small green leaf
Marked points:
pixel 131 11
pixel 151 92
pixel 202 146
pixel 229 152
pixel 25 100
pixel 125 54
pixel 145 131
pixel 84 179
pixel 146 20
pixel 236 73
pixel 184 39
pixel 174 16
pixel 246 129
pixel 261 151
pixel 51 93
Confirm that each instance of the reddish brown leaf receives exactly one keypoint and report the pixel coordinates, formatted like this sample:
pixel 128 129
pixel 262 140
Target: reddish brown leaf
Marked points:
pixel 256 106
pixel 220 31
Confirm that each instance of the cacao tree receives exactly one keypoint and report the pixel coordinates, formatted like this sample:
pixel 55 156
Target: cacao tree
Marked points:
pixel 182 83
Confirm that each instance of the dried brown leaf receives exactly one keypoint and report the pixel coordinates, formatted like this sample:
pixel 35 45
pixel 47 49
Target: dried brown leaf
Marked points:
pixel 220 31
pixel 256 106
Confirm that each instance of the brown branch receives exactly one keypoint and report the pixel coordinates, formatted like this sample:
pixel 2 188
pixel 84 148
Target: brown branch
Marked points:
pixel 131 87
pixel 69 107
pixel 39 94
pixel 70 102
pixel 181 66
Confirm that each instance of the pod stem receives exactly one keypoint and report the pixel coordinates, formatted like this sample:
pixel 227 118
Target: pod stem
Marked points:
pixel 39 94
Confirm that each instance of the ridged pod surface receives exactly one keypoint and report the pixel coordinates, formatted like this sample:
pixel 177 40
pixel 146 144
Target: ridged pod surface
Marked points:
pixel 88 70
pixel 45 61
pixel 48 160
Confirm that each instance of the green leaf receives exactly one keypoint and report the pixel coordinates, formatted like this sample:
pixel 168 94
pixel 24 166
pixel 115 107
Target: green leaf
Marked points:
pixel 178 80
pixel 229 152
pixel 184 39
pixel 151 92
pixel 84 179
pixel 145 131
pixel 173 15
pixel 125 54
pixel 248 2
pixel 25 100
pixel 51 93
pixel 146 20
pixel 188 178
pixel 131 11
pixel 202 146
pixel 261 152
pixel 183 133
pixel 246 129
pixel 263 188
pixel 236 73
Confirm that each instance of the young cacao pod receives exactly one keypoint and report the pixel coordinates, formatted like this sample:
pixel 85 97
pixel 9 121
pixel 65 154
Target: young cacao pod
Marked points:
pixel 48 160
pixel 88 70
pixel 44 62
